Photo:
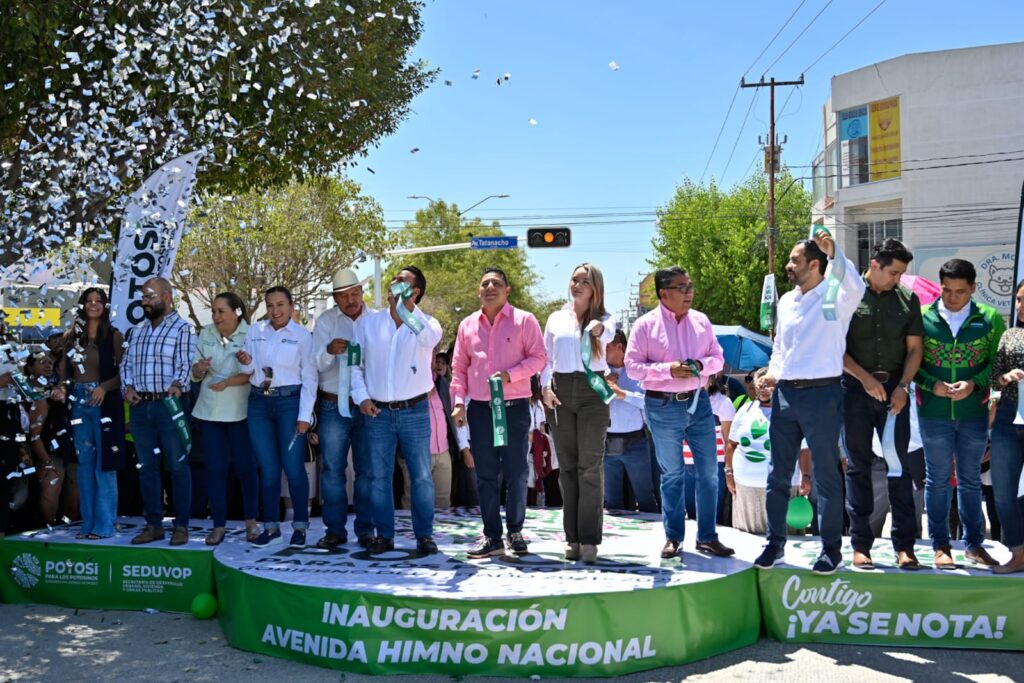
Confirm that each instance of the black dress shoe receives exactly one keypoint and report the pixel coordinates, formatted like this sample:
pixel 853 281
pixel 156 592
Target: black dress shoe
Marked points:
pixel 365 540
pixel 426 546
pixel 670 549
pixel 381 545
pixel 715 548
pixel 331 540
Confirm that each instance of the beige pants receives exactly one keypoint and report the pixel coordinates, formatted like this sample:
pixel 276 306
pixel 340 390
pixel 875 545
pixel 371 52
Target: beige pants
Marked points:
pixel 441 471
pixel 748 509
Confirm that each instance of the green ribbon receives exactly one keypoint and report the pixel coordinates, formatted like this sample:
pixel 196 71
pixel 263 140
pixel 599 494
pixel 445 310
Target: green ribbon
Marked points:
pixel 403 292
pixel 25 387
pixel 695 369
pixel 836 273
pixel 353 357
pixel 499 418
pixel 767 302
pixel 177 413
pixel 596 381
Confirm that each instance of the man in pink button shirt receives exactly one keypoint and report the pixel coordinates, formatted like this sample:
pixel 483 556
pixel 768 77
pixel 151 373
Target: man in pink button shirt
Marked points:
pixel 505 341
pixel 667 345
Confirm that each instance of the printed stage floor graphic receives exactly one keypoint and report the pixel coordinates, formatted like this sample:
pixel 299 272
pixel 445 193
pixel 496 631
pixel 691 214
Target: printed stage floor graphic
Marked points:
pixel 399 612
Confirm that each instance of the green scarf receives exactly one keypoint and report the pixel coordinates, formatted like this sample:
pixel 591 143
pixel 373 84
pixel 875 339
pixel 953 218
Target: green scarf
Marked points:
pixel 596 381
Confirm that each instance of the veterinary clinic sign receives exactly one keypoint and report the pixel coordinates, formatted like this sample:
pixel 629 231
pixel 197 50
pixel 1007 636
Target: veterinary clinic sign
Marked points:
pixel 994 263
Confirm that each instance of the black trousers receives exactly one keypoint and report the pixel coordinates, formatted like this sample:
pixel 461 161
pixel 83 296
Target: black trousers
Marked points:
pixel 864 416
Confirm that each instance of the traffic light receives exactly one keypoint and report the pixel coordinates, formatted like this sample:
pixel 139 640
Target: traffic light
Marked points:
pixel 548 237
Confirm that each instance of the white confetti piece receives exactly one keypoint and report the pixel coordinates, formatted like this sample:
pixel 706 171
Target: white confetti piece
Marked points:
pixel 613 66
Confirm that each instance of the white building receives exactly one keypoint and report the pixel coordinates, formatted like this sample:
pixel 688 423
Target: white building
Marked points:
pixel 928 148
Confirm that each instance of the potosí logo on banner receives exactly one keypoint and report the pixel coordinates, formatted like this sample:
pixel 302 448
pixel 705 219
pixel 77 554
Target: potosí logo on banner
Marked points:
pixel 150 233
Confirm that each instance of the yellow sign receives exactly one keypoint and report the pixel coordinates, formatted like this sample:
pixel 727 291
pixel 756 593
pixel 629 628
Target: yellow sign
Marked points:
pixel 32 317
pixel 885 138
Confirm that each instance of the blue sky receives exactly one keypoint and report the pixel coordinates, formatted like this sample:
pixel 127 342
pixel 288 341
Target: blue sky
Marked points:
pixel 609 146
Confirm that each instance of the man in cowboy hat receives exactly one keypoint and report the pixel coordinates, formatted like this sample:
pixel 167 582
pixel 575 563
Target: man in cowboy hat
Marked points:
pixel 340 422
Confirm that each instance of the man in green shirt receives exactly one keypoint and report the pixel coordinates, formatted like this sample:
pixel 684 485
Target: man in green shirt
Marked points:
pixel 960 342
pixel 883 353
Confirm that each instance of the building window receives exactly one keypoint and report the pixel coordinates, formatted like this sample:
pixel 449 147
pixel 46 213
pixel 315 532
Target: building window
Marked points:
pixel 818 176
pixel 870 234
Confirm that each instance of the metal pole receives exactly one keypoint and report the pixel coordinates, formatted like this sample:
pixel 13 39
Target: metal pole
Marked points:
pixel 771 182
pixel 376 283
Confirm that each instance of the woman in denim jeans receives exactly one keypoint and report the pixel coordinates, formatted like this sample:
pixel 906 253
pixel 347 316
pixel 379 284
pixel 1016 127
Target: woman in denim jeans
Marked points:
pixel 97 411
pixel 220 414
pixel 278 357
pixel 1008 440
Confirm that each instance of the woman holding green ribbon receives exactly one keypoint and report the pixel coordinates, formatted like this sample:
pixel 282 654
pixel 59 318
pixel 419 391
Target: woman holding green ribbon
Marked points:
pixel 574 387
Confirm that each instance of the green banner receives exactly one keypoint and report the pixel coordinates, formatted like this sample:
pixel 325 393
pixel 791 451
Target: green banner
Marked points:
pixel 499 418
pixel 890 608
pixel 603 634
pixel 103 576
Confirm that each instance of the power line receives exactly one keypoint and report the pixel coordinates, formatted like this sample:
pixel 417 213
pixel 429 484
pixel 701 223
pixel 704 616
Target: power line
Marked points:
pixel 822 56
pixel 769 68
pixel 770 42
pixel 719 137
pixel 740 134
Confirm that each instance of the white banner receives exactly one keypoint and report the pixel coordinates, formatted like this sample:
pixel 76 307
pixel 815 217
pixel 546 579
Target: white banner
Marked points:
pixel 150 233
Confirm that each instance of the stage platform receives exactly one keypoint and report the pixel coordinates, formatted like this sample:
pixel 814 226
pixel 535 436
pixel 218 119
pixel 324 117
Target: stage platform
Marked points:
pixel 513 616
pixel 518 616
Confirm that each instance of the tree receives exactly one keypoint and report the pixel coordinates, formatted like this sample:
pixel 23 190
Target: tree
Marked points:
pixel 721 239
pixel 96 95
pixel 454 276
pixel 296 235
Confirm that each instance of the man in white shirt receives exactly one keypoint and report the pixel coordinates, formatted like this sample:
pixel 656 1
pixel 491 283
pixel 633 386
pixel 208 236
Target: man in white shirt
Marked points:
pixel 627 452
pixel 340 422
pixel 391 386
pixel 805 369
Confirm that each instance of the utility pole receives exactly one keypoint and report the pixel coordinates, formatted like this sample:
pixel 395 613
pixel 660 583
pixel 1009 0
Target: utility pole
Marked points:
pixel 773 150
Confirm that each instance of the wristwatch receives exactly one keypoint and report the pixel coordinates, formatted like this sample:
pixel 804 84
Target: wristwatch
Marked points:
pixel 905 386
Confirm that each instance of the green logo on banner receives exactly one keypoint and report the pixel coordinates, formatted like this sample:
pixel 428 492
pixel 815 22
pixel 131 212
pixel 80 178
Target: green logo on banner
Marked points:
pixel 26 570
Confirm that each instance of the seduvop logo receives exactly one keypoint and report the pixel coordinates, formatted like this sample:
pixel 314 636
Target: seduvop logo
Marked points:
pixel 26 570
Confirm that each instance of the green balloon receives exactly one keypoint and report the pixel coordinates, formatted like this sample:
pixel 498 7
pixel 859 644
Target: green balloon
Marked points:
pixel 204 606
pixel 800 513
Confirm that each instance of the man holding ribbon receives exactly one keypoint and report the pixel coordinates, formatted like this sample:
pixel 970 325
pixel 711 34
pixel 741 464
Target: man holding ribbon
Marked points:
pixel 805 369
pixel 341 424
pixel 672 352
pixel 883 353
pixel 391 385
pixel 497 350
pixel 155 367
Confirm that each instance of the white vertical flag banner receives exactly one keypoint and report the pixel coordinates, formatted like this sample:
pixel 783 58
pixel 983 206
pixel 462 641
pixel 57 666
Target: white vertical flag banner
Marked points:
pixel 150 233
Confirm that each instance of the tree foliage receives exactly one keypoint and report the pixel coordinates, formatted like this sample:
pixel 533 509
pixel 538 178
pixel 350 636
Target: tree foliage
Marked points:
pixel 96 95
pixel 720 237
pixel 296 235
pixel 454 276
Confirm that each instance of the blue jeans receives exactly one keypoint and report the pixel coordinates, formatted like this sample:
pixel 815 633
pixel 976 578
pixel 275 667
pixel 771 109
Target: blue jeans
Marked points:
pixel 97 488
pixel 690 489
pixel 272 428
pixel 225 443
pixel 337 433
pixel 152 429
pixel 815 414
pixel 1007 461
pixel 944 441
pixel 410 429
pixel 670 423
pixel 633 463
pixel 493 465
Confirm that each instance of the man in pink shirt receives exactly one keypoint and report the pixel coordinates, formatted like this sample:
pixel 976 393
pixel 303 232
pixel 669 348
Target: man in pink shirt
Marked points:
pixel 672 352
pixel 498 340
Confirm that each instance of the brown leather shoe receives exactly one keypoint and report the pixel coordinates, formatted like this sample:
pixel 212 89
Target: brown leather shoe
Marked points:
pixel 906 560
pixel 944 558
pixel 715 548
pixel 670 549
pixel 149 534
pixel 862 560
pixel 980 556
pixel 179 536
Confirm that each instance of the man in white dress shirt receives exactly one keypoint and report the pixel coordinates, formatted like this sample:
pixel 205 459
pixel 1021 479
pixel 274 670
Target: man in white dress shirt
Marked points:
pixel 391 386
pixel 340 423
pixel 805 368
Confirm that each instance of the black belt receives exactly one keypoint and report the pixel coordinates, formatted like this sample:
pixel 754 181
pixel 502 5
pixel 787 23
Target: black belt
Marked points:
pixel 283 392
pixel 669 396
pixel 638 434
pixel 399 405
pixel 152 395
pixel 884 376
pixel 328 396
pixel 809 383
pixel 512 403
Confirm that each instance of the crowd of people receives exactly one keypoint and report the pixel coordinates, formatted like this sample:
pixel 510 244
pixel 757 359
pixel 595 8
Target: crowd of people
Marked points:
pixel 575 415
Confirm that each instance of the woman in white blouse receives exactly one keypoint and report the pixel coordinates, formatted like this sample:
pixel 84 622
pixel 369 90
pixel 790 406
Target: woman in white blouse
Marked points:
pixel 278 357
pixel 581 414
pixel 220 413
